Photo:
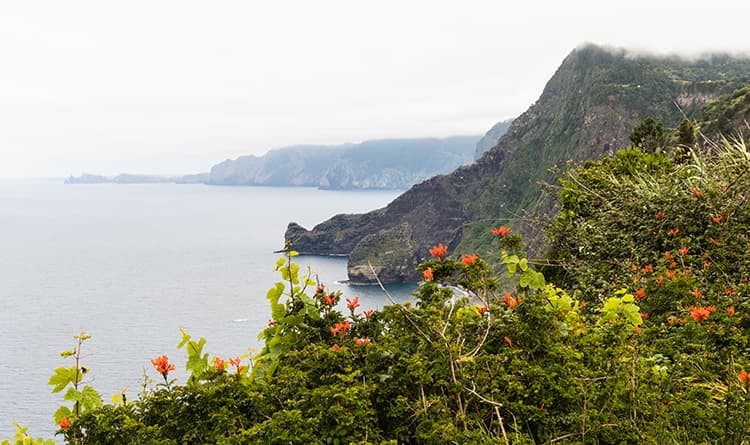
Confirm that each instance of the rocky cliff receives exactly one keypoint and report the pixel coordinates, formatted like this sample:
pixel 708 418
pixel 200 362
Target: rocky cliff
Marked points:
pixel 587 109
pixel 378 164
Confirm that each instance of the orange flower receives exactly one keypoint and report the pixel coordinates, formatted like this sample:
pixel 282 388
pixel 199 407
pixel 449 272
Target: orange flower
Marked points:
pixel 219 364
pixel 335 347
pixel 644 315
pixel 368 313
pixel 697 293
pixel 501 231
pixel 706 264
pixel 362 341
pixel 728 291
pixel 674 231
pixel 637 329
pixel 508 340
pixel 234 362
pixel 660 282
pixel 510 301
pixel 683 251
pixel 696 192
pixel 640 293
pixel 744 376
pixel 669 274
pixel 713 241
pixel 648 268
pixel 439 251
pixel 468 260
pixel 730 311
pixel 481 309
pixel 162 365
pixel 427 274
pixel 352 304
pixel 65 422
pixel 668 255
pixel 660 215
pixel 717 218
pixel 701 313
pixel 340 328
pixel 672 265
pixel 331 299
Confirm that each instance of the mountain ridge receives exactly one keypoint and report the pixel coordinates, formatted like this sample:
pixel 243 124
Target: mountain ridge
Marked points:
pixel 587 109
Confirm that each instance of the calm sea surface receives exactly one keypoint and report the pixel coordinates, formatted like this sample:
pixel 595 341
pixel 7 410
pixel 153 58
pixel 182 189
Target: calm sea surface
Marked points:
pixel 130 265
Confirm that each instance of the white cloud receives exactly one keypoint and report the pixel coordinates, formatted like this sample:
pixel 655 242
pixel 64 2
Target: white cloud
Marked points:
pixel 91 83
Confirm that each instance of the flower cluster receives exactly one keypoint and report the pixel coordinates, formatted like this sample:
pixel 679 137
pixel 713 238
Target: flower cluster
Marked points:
pixel 352 304
pixel 468 260
pixel 501 231
pixel 439 251
pixel 341 328
pixel 700 313
pixel 162 365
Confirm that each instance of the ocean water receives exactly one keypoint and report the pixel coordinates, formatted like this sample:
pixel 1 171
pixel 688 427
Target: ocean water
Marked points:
pixel 131 265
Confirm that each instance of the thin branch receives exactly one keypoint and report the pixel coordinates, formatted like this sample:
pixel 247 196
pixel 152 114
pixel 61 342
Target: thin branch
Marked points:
pixel 401 308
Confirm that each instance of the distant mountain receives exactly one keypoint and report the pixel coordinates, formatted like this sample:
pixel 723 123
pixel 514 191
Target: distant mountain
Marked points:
pixel 376 164
pixel 490 138
pixel 127 178
pixel 587 109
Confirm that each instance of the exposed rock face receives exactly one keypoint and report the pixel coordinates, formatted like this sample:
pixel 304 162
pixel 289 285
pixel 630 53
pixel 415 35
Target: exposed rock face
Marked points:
pixel 380 164
pixel 588 108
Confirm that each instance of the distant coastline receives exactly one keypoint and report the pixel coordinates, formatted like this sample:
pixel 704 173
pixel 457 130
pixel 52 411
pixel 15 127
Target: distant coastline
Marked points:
pixel 385 164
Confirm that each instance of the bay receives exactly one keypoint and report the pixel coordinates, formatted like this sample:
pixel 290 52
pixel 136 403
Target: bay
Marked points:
pixel 131 265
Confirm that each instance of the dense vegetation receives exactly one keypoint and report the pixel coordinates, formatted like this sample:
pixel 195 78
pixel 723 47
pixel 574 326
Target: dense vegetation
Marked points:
pixel 642 338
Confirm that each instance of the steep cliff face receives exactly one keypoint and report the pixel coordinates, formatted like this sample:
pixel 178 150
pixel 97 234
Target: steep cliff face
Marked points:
pixel 380 164
pixel 588 108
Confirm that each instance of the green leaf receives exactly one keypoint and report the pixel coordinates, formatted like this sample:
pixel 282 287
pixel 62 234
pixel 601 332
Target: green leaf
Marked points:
pixel 523 264
pixel 294 273
pixel 61 412
pixel 61 378
pixel 73 395
pixel 511 269
pixel 524 280
pixel 632 314
pixel 536 281
pixel 274 294
pixel 513 259
pixel 68 353
pixel 90 398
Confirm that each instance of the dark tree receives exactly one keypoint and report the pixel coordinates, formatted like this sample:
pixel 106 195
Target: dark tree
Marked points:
pixel 649 135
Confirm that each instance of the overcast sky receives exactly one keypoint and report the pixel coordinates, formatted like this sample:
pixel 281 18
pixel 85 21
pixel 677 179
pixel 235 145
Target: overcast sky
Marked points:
pixel 173 86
